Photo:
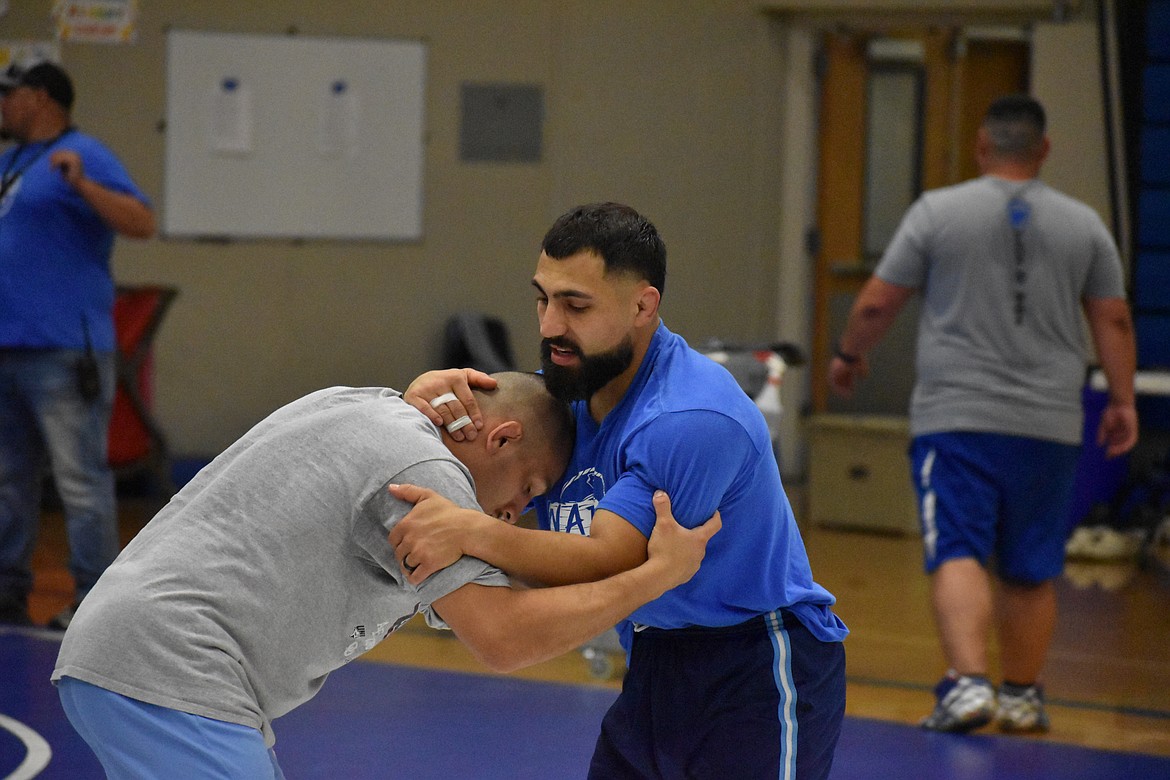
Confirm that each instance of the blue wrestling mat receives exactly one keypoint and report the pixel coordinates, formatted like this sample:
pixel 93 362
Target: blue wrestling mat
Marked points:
pixel 376 721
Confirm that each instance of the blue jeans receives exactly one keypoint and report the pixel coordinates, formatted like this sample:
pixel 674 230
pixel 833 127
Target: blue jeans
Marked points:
pixel 45 420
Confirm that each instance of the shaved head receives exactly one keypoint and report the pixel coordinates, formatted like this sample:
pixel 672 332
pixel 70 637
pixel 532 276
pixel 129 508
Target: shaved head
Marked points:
pixel 521 396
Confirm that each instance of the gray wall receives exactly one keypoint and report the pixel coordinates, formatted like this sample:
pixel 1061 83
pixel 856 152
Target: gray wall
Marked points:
pixel 674 106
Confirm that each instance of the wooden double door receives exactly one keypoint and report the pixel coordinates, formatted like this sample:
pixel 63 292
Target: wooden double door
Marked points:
pixel 899 112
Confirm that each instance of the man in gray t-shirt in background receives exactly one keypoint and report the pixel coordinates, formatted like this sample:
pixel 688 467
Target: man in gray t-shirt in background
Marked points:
pixel 271 568
pixel 1005 266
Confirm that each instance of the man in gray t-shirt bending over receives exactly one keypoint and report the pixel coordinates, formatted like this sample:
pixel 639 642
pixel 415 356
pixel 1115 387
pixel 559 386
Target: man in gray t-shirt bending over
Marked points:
pixel 1006 267
pixel 271 569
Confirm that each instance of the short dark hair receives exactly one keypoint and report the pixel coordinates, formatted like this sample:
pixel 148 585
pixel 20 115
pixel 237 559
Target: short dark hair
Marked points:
pixel 623 238
pixel 1015 125
pixel 48 76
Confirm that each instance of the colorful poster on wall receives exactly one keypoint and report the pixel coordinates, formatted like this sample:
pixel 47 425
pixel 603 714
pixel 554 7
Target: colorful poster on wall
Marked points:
pixel 96 21
pixel 23 52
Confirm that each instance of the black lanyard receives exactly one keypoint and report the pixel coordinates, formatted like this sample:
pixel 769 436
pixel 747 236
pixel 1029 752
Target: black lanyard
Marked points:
pixel 11 176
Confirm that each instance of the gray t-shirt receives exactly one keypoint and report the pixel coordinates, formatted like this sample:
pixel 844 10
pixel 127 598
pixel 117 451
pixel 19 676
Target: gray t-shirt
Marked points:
pixel 977 369
pixel 271 568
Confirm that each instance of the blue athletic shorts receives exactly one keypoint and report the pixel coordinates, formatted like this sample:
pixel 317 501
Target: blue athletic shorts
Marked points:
pixel 995 498
pixel 133 739
pixel 761 699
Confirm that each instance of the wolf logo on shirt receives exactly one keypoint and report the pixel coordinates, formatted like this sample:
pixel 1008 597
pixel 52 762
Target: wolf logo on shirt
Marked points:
pixel 572 511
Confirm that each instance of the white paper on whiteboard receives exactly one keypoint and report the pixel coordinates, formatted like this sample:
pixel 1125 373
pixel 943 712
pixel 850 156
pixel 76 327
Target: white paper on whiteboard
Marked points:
pixel 231 117
pixel 338 120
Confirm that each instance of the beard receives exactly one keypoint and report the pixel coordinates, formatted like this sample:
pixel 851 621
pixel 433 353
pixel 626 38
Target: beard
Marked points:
pixel 593 373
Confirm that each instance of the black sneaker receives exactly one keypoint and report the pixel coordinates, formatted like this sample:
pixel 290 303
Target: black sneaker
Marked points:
pixel 14 610
pixel 62 619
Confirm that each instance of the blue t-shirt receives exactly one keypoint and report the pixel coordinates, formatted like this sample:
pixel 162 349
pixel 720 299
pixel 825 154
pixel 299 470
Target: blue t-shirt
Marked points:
pixel 686 427
pixel 55 249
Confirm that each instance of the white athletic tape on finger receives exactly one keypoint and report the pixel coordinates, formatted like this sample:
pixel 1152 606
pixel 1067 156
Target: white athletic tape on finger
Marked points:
pixel 455 425
pixel 442 399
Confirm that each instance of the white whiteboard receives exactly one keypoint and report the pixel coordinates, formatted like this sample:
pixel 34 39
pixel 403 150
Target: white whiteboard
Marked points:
pixel 293 137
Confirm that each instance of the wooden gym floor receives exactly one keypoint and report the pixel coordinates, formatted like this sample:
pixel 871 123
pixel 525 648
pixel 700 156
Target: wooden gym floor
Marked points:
pixel 1108 677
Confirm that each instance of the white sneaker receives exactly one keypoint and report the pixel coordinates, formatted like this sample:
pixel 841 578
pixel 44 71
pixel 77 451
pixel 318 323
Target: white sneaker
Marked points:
pixel 1021 710
pixel 1079 542
pixel 964 703
pixel 1102 543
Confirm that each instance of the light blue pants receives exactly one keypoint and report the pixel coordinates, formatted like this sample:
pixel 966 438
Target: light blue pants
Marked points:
pixel 44 420
pixel 134 740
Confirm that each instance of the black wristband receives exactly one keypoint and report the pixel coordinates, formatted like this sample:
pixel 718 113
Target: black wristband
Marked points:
pixel 845 357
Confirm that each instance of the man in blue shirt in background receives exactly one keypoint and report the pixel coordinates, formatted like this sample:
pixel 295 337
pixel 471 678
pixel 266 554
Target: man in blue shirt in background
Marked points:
pixel 741 671
pixel 63 198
